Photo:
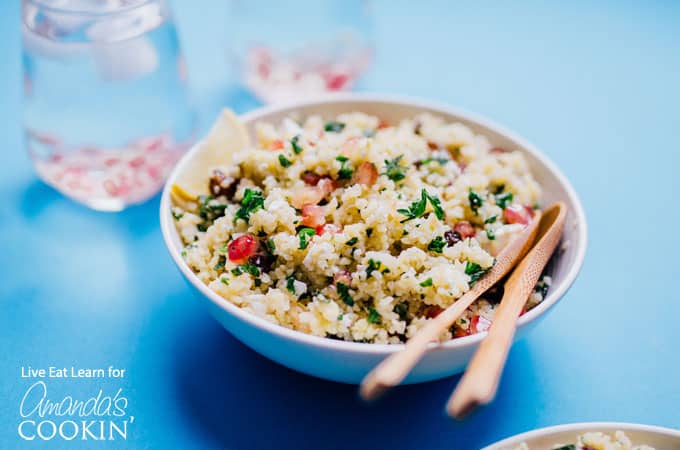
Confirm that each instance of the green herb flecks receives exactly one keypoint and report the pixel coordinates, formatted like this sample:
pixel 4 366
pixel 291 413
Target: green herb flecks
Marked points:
pixel 295 144
pixel 426 283
pixel 373 266
pixel 334 127
pixel 352 241
pixel 225 281
pixel 440 161
pixel 437 244
pixel 417 208
pixel 402 310
pixel 209 209
pixel 373 316
pixel 305 234
pixel 271 246
pixel 221 262
pixel 491 219
pixel 252 201
pixel 475 272
pixel 503 199
pixel 177 216
pixel 343 291
pixel 490 235
pixel 285 162
pixel 475 200
pixel 345 173
pixel 249 268
pixel 394 170
pixel 290 284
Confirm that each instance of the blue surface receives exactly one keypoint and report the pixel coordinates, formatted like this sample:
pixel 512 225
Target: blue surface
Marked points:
pixel 594 84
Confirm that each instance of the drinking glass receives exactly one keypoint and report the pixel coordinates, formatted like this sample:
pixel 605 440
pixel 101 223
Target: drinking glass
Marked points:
pixel 107 111
pixel 297 48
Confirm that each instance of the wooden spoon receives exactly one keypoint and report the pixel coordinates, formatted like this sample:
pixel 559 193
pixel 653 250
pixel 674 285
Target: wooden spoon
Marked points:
pixel 480 382
pixel 394 368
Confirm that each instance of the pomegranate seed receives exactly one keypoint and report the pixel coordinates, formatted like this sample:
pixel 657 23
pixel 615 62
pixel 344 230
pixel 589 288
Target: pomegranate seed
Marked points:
pixel 327 228
pixel 276 145
pixel 313 216
pixel 459 332
pixel 242 248
pixel 516 213
pixel 432 145
pixel 310 178
pixel 336 82
pixel 366 174
pixel 479 324
pixel 432 311
pixel 464 229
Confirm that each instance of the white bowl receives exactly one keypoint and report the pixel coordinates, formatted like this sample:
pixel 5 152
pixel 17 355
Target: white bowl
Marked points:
pixel 348 362
pixel 545 438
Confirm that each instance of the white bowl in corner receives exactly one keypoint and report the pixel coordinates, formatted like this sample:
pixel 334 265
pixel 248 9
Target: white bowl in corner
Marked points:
pixel 348 362
pixel 546 438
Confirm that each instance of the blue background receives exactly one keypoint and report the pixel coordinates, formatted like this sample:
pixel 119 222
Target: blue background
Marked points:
pixel 593 84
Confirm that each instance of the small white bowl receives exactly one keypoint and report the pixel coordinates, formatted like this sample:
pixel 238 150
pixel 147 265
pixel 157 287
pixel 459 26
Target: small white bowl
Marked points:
pixel 348 362
pixel 545 438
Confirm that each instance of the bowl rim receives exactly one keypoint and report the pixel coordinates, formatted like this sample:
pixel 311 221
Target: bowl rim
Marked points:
pixel 581 427
pixel 556 292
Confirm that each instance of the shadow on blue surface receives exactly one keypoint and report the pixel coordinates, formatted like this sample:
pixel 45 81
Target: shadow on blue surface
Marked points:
pixel 215 391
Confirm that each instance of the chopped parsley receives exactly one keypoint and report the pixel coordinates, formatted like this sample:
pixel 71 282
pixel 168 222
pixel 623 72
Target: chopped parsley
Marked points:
pixel 490 234
pixel 373 316
pixel 285 162
pixel 503 199
pixel 209 209
pixel 437 244
pixel 441 161
pixel 372 267
pixel 225 281
pixel 250 268
pixel 305 234
pixel 426 283
pixel 345 173
pixel 394 170
pixel 417 208
pixel 252 201
pixel 295 143
pixel 566 447
pixel 475 271
pixel 402 310
pixel 271 246
pixel 290 284
pixel 177 216
pixel 475 200
pixel 343 290
pixel 491 219
pixel 221 261
pixel 352 241
pixel 334 127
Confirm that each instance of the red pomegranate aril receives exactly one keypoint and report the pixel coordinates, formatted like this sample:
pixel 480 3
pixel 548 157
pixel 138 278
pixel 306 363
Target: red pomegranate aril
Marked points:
pixel 464 229
pixel 432 145
pixel 242 248
pixel 276 145
pixel 313 215
pixel 479 324
pixel 516 213
pixel 432 311
pixel 366 174
pixel 327 228
pixel 459 332
pixel 310 178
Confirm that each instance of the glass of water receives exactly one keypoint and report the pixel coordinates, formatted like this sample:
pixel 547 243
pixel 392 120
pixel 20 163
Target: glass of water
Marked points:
pixel 107 111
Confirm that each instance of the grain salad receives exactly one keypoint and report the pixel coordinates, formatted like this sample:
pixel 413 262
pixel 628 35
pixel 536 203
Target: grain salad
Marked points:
pixel 356 229
pixel 596 440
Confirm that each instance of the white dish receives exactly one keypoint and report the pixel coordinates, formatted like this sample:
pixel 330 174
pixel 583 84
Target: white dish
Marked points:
pixel 349 361
pixel 544 438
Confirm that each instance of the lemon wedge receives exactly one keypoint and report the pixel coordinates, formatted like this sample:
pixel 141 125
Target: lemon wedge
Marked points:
pixel 227 136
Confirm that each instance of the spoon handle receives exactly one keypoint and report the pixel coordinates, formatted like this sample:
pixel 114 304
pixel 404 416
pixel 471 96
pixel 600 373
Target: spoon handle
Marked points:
pixel 480 381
